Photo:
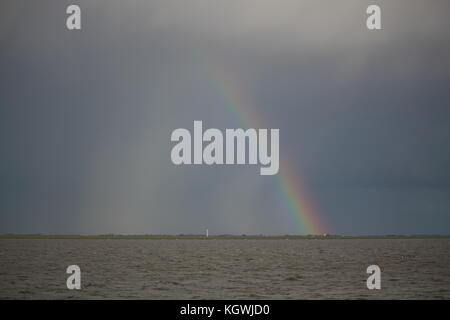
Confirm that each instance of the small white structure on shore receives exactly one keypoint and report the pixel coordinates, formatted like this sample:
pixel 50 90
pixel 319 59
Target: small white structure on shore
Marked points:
pixel 207 234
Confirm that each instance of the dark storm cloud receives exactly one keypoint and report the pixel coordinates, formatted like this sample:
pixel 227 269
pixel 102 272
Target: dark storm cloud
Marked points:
pixel 86 116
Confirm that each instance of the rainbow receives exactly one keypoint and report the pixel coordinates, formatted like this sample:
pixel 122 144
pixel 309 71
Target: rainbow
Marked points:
pixel 295 198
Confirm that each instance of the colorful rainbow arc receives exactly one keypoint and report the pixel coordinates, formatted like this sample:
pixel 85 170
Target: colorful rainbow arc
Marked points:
pixel 294 195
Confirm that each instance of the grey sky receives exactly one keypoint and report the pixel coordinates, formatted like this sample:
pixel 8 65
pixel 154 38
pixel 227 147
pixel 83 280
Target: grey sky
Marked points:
pixel 86 116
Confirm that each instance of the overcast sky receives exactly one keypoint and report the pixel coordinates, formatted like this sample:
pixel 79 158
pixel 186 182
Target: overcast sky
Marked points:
pixel 86 116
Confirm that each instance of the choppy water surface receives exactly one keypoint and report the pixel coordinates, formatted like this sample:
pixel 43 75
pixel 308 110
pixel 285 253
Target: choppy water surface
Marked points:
pixel 225 269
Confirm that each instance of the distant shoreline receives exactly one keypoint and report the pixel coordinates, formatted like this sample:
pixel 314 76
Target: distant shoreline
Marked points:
pixel 218 237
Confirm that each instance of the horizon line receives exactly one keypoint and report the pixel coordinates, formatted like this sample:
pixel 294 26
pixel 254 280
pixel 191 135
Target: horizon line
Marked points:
pixel 223 235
